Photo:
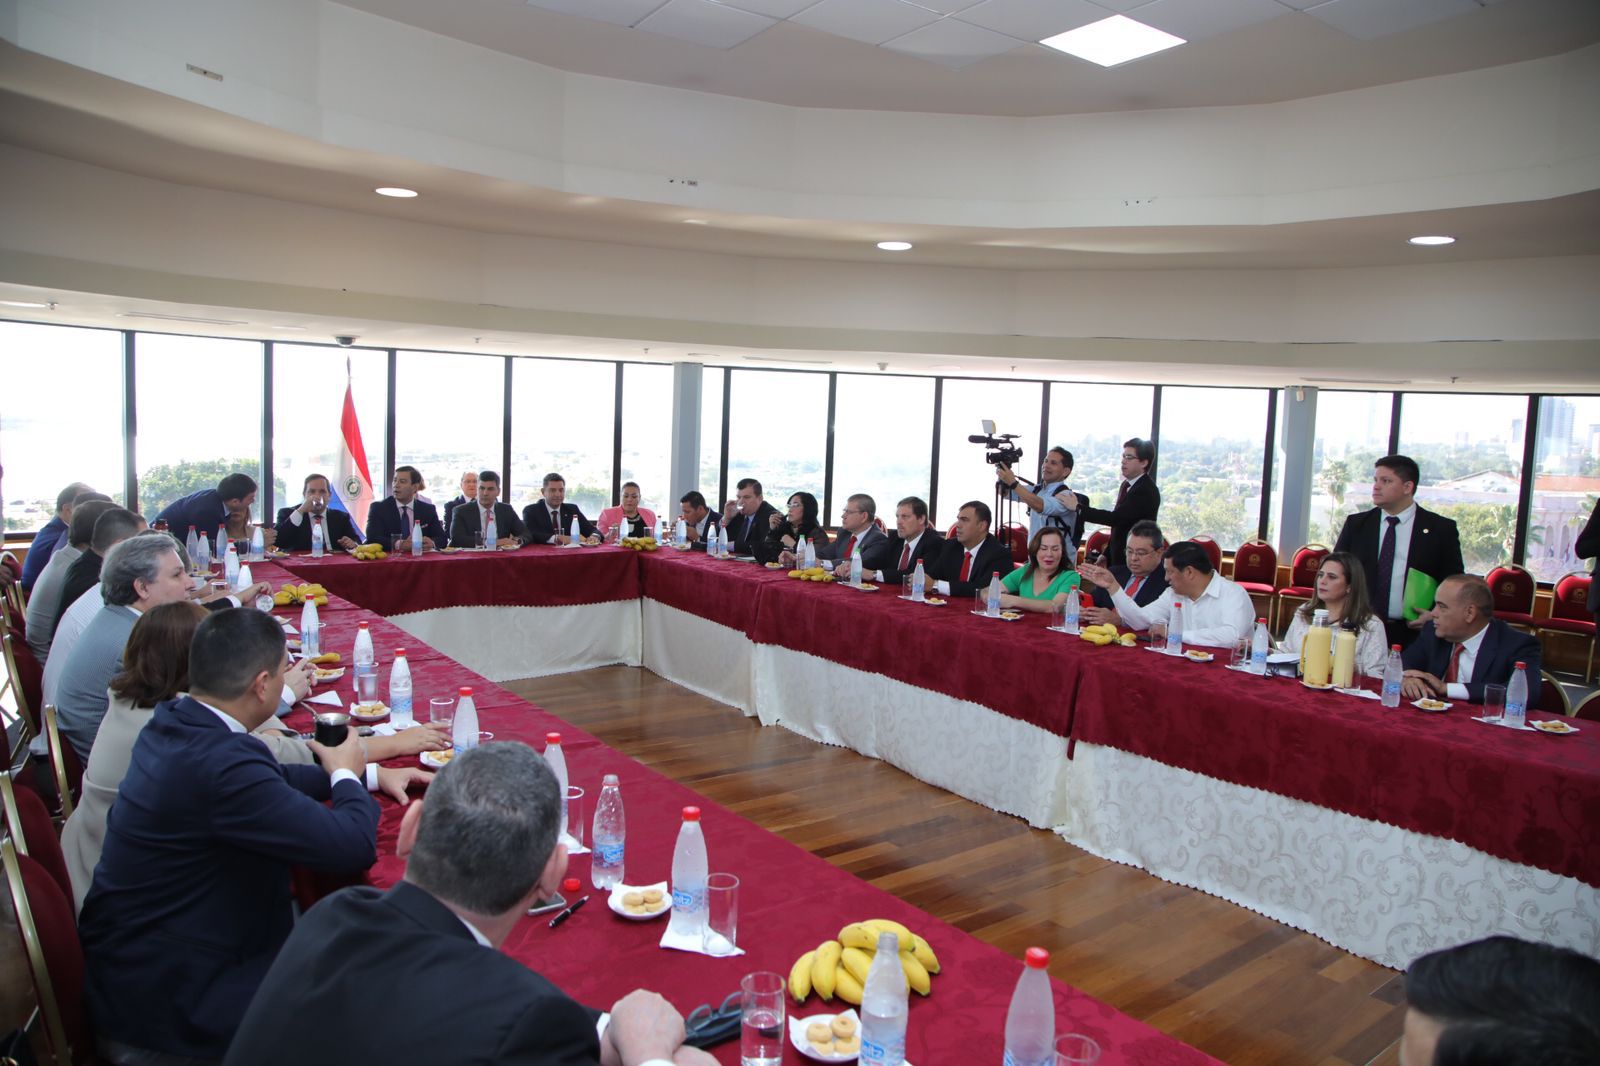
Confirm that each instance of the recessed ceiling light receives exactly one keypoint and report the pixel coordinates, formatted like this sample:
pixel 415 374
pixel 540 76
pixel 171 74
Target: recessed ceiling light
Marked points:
pixel 1431 240
pixel 894 246
pixel 1108 42
pixel 396 191
pixel 27 303
pixel 695 222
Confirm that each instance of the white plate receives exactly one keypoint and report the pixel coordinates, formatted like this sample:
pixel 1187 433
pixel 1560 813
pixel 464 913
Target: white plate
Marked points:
pixel 930 601
pixel 369 718
pixel 1317 688
pixel 614 901
pixel 1432 710
pixel 797 1036
pixel 1004 616
pixel 327 673
pixel 1199 656
pixel 1543 722
pixel 436 760
pixel 856 588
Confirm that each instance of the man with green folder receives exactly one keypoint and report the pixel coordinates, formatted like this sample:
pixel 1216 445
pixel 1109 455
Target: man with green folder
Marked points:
pixel 1404 549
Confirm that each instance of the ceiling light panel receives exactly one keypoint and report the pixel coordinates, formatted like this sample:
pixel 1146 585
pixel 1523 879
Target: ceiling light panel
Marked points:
pixel 1368 20
pixel 1195 20
pixel 1032 20
pixel 618 12
pixel 1113 41
pixel 704 22
pixel 952 43
pixel 868 21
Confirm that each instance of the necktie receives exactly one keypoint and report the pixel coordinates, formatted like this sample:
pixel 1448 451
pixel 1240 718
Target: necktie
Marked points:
pixel 1133 586
pixel 1122 494
pixel 1386 567
pixel 555 520
pixel 405 520
pixel 1455 662
pixel 850 546
pixel 966 565
pixel 905 557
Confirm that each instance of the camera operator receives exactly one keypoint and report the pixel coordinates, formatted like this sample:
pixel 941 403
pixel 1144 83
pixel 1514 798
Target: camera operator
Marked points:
pixel 1044 509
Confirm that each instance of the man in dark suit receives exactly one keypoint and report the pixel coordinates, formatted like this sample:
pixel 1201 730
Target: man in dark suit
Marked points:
pixel 1144 577
pixel 397 515
pixel 1397 536
pixel 53 534
pixel 550 520
pixel 191 899
pixel 1137 500
pixel 228 504
pixel 467 521
pixel 1588 547
pixel 111 527
pixel 1465 647
pixel 749 518
pixel 858 532
pixel 912 541
pixel 698 517
pixel 967 561
pixel 469 491
pixel 479 851
pixel 294 523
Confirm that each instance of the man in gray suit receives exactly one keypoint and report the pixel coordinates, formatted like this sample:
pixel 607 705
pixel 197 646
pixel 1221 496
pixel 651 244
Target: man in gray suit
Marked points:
pixel 858 532
pixel 140 573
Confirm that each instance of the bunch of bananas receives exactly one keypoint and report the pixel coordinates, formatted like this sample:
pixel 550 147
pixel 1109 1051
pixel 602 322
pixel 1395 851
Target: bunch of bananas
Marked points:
pixel 812 573
pixel 292 595
pixel 839 967
pixel 1104 634
pixel 369 551
pixel 640 544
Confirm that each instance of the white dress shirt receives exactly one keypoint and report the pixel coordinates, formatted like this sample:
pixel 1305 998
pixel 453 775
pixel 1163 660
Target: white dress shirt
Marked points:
pixel 1221 616
pixel 1457 690
pixel 1402 552
pixel 943 587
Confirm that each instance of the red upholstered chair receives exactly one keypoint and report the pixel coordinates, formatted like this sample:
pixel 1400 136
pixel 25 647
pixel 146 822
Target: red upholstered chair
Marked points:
pixel 1513 590
pixel 950 534
pixel 1306 561
pixel 55 958
pixel 24 678
pixel 1588 708
pixel 1096 543
pixel 1552 697
pixel 1212 549
pixel 1255 569
pixel 1569 613
pixel 34 832
pixel 1017 538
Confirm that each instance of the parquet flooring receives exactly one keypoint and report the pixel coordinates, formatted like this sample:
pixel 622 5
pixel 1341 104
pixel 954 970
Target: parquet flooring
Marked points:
pixel 1238 986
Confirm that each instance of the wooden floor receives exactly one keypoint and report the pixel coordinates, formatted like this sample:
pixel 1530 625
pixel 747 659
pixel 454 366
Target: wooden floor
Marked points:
pixel 1238 986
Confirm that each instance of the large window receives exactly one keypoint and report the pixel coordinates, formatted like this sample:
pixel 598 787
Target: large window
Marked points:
pixel 882 440
pixel 1566 483
pixel 1352 433
pixel 711 378
pixel 963 474
pixel 778 431
pixel 308 387
pixel 1091 422
pixel 44 366
pixel 647 434
pixel 1470 451
pixel 563 421
pixel 448 413
pixel 199 413
pixel 1209 463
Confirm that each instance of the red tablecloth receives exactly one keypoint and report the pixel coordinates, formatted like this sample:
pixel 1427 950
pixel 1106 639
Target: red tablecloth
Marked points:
pixel 789 901
pixel 723 591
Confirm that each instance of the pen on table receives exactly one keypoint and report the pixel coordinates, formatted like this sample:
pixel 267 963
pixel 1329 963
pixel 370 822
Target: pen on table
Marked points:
pixel 564 915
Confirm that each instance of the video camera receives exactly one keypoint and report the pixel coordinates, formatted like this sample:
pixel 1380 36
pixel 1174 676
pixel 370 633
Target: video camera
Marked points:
pixel 1001 450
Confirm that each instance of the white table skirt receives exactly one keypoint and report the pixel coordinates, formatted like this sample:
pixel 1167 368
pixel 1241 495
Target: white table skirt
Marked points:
pixel 700 655
pixel 506 643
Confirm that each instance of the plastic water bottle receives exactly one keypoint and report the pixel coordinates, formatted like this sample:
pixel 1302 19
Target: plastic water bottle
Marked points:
pixel 1393 671
pixel 689 868
pixel 491 535
pixel 219 547
pixel 1259 645
pixel 191 547
pixel 317 540
pixel 661 530
pixel 362 654
pixel 1069 612
pixel 992 600
pixel 1031 1021
pixel 557 762
pixel 609 837
pixel 258 545
pixel 416 538
pixel 464 731
pixel 1175 630
pixel 680 535
pixel 230 566
pixel 1517 697
pixel 855 565
pixel 310 632
pixel 810 554
pixel 919 583
pixel 245 578
pixel 575 534
pixel 883 1007
pixel 400 710
pixel 202 554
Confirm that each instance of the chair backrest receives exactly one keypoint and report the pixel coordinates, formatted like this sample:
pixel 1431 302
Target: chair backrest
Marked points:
pixel 29 821
pixel 1256 561
pixel 1016 538
pixel 1212 549
pixel 950 534
pixel 1307 561
pixel 64 764
pixel 55 956
pixel 1552 697
pixel 1513 588
pixel 1096 543
pixel 1588 708
pixel 1570 599
pixel 25 677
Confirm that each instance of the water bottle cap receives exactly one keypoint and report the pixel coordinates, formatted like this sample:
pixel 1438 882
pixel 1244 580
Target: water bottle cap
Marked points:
pixel 467 692
pixel 609 779
pixel 691 814
pixel 1263 621
pixel 399 653
pixel 1394 647
pixel 1522 666
pixel 1036 958
pixel 363 625
pixel 552 738
pixel 571 884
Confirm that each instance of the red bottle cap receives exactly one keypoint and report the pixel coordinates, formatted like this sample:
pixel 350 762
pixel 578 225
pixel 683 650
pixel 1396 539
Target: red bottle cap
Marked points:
pixel 1522 666
pixel 571 884
pixel 1036 958
pixel 399 653
pixel 1261 621
pixel 363 625
pixel 1394 647
pixel 552 738
pixel 691 814
pixel 466 692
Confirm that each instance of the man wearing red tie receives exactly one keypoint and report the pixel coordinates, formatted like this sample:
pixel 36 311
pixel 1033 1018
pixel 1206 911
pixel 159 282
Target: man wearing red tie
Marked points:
pixel 1138 499
pixel 1465 647
pixel 858 532
pixel 1144 578
pixel 968 561
pixel 912 541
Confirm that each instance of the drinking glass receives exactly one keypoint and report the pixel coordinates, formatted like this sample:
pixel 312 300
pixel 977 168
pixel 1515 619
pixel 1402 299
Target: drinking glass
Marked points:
pixel 1494 702
pixel 367 683
pixel 980 602
pixel 331 728
pixel 401 545
pixel 572 812
pixel 1239 656
pixel 442 711
pixel 1074 1049
pixel 477 539
pixel 722 914
pixel 905 587
pixel 761 1017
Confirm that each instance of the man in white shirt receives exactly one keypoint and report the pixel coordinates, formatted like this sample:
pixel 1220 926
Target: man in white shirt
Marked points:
pixel 1464 647
pixel 1216 612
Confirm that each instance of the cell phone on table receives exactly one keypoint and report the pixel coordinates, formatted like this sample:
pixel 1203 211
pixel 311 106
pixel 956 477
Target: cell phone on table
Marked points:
pixel 554 903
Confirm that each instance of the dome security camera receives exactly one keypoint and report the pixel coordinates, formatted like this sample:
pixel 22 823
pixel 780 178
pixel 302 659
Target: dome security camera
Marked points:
pixel 344 340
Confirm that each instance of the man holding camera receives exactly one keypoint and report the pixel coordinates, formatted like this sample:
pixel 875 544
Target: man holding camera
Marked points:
pixel 1044 509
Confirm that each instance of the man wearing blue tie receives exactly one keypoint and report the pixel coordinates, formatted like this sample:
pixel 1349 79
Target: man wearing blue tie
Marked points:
pixel 394 518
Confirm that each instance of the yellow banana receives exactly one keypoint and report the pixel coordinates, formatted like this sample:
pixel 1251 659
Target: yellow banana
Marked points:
pixel 924 954
pixel 916 974
pixel 857 962
pixel 850 990
pixel 824 966
pixel 884 925
pixel 800 977
pixel 856 935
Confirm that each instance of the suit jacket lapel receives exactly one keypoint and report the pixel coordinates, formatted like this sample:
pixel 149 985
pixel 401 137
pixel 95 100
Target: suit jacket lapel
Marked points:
pixel 1487 650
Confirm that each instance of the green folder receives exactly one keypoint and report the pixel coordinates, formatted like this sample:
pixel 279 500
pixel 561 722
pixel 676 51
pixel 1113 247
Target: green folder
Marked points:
pixel 1420 589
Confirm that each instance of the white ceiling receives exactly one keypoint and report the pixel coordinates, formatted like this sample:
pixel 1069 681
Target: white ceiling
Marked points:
pixel 976 56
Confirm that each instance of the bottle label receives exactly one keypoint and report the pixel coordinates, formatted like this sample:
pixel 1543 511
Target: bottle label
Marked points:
pixel 611 855
pixel 400 706
pixel 886 1054
pixel 687 899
